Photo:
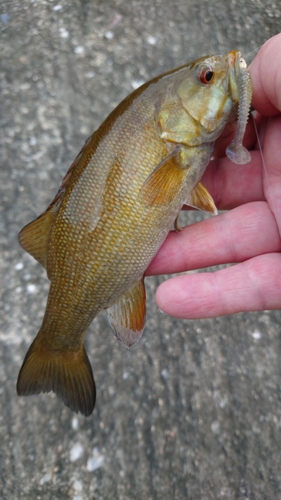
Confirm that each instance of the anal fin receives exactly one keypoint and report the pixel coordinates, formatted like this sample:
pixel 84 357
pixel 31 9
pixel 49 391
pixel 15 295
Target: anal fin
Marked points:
pixel 200 198
pixel 127 316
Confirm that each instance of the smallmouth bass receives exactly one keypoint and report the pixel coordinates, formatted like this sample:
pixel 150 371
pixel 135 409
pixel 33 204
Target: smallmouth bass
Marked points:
pixel 114 209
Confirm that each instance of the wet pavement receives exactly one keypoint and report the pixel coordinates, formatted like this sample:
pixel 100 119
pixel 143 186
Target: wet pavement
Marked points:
pixel 194 410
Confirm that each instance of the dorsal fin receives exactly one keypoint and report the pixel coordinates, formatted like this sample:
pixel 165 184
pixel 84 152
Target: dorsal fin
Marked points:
pixel 34 236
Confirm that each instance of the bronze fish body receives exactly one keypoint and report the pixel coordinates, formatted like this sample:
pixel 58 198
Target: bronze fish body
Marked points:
pixel 115 208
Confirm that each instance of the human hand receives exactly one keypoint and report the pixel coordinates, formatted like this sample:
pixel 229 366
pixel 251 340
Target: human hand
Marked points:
pixel 249 234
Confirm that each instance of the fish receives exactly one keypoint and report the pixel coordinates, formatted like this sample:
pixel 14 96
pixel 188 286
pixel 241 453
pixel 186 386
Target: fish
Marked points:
pixel 114 209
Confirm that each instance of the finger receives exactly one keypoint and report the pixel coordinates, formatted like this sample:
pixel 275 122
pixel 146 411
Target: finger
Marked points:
pixel 234 236
pixel 272 160
pixel 254 285
pixel 266 77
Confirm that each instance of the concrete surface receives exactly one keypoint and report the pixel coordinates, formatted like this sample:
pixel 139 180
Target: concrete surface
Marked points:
pixel 194 411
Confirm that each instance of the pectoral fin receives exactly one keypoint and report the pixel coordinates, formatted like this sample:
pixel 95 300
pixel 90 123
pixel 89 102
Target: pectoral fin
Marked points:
pixel 127 316
pixel 200 198
pixel 35 236
pixel 164 182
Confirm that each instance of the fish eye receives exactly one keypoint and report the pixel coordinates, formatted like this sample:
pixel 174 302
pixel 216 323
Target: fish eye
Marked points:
pixel 206 76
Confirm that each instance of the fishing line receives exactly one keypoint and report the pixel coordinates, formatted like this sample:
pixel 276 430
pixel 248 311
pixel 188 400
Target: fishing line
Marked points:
pixel 265 170
pixel 254 51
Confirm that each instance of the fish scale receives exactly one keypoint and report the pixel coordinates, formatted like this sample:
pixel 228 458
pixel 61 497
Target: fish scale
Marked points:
pixel 114 209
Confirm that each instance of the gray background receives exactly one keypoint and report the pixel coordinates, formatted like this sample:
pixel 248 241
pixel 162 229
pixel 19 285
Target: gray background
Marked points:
pixel 194 410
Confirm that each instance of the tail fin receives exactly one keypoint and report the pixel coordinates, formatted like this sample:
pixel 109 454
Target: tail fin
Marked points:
pixel 69 375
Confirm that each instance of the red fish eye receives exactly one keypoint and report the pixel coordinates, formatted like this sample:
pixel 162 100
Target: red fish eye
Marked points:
pixel 206 76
